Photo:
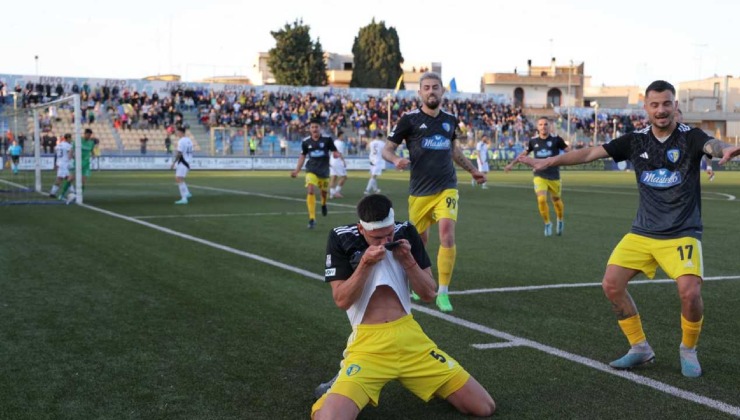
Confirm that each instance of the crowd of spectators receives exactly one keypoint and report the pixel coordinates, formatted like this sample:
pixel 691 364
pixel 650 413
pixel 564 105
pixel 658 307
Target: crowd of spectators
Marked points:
pixel 283 115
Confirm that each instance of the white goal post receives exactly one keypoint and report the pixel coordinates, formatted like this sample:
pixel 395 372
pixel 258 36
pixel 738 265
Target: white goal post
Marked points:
pixel 76 136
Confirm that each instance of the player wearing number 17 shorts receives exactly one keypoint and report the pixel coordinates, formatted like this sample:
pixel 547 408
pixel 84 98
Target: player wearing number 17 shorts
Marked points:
pixel 666 232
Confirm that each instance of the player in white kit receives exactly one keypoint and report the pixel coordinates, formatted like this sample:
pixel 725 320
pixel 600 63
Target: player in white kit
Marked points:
pixel 375 150
pixel 181 164
pixel 482 149
pixel 63 154
pixel 338 168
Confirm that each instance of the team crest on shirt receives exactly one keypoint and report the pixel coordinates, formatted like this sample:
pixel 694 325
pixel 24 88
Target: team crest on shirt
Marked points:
pixel 549 143
pixel 673 155
pixel 353 369
pixel 446 126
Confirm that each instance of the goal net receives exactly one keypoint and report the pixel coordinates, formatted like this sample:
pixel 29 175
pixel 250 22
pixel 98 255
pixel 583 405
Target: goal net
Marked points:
pixel 30 161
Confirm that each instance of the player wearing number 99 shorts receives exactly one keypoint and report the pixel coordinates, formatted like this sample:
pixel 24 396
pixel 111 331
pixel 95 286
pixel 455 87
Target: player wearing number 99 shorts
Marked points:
pixel 430 136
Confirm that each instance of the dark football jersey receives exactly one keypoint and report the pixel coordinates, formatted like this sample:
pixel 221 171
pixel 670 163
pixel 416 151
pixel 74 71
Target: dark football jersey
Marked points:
pixel 430 141
pixel 345 247
pixel 318 152
pixel 667 179
pixel 543 149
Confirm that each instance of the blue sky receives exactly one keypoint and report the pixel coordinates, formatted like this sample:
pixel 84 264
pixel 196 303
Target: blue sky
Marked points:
pixel 622 43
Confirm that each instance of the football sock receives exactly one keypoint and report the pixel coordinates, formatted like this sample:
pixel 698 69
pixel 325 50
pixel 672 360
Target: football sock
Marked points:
pixel 311 204
pixel 323 198
pixel 445 264
pixel 691 331
pixel 183 190
pixel 54 189
pixel 543 208
pixel 443 289
pixel 338 189
pixel 65 187
pixel 632 329
pixel 559 208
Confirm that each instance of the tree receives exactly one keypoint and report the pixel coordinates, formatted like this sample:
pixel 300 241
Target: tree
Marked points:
pixel 377 55
pixel 296 60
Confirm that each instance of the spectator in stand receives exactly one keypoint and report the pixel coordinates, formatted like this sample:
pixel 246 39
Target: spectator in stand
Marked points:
pixel 144 140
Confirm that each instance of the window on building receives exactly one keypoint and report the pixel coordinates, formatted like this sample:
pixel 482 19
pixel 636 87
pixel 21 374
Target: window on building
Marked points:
pixel 554 97
pixel 518 97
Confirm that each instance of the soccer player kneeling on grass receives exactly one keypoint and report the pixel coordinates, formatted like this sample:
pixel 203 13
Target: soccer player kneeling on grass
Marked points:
pixel 370 266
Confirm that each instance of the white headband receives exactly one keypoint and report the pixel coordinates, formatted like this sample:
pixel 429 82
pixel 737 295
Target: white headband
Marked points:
pixel 388 221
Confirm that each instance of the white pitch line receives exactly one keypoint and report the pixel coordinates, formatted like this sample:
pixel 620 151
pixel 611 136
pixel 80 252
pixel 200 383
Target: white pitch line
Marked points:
pixel 657 385
pixel 503 345
pixel 208 243
pixel 13 184
pixel 276 197
pixel 660 386
pixel 571 285
pixel 198 216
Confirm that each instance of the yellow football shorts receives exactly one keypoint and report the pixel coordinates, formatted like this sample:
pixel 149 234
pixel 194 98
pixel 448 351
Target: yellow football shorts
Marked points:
pixel 677 257
pixel 553 186
pixel 428 209
pixel 321 183
pixel 379 353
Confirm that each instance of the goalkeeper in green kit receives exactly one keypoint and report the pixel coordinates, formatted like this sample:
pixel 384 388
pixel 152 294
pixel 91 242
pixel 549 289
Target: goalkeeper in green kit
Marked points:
pixel 87 145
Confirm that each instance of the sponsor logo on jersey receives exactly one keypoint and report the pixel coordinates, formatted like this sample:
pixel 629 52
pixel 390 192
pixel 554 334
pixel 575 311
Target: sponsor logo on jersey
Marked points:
pixel 660 178
pixel 673 155
pixel 330 272
pixel 446 126
pixel 317 153
pixel 543 153
pixel 436 142
pixel 422 126
pixel 644 155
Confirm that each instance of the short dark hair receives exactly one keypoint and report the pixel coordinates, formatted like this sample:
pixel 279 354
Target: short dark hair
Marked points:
pixel 374 208
pixel 88 131
pixel 660 86
pixel 314 121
